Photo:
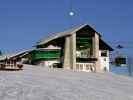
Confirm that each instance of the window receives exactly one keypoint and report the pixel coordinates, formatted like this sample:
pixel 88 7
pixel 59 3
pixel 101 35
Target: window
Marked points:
pixel 104 59
pixel 120 60
pixel 104 53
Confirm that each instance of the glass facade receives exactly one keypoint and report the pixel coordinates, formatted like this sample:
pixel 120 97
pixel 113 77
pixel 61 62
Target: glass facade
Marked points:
pixel 84 47
pixel 50 54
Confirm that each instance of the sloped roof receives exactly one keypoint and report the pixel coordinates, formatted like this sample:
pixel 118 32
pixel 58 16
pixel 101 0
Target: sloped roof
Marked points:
pixel 62 34
pixel 5 56
pixel 106 45
pixel 70 32
pixel 9 56
pixel 51 47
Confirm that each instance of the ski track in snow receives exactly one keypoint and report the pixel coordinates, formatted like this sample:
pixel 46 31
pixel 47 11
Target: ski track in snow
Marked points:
pixel 39 83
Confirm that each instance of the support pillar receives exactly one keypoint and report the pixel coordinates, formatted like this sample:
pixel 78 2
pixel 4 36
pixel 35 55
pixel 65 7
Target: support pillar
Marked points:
pixel 96 52
pixel 67 59
pixel 70 52
pixel 73 51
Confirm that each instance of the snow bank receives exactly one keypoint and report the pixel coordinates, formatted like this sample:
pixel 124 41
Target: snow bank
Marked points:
pixel 38 83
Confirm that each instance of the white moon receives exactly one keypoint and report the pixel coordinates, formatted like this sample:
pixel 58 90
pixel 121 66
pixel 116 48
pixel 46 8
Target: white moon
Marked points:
pixel 71 13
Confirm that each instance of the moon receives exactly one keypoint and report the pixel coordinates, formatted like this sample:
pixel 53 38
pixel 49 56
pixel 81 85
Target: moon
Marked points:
pixel 71 13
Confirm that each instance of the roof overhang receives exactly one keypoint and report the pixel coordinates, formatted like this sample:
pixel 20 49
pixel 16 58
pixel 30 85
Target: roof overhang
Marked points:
pixel 64 34
pixel 105 45
pixel 69 33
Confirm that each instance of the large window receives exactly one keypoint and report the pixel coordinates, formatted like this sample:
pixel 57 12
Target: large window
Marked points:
pixel 120 60
pixel 83 42
pixel 84 47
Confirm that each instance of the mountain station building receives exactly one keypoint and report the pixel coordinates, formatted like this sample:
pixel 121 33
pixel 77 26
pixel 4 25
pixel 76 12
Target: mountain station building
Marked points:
pixel 81 48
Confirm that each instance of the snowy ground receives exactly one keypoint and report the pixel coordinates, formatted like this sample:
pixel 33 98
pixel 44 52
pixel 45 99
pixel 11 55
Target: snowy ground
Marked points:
pixel 120 70
pixel 44 84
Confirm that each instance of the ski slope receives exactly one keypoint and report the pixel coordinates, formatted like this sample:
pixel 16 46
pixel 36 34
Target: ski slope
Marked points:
pixel 39 83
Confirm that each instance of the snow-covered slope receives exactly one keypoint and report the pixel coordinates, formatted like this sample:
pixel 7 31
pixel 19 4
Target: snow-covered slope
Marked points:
pixel 38 83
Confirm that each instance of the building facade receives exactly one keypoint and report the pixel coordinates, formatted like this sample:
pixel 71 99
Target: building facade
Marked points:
pixel 80 48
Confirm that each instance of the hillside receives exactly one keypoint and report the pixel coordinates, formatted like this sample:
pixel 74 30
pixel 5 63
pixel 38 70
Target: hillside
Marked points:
pixel 37 83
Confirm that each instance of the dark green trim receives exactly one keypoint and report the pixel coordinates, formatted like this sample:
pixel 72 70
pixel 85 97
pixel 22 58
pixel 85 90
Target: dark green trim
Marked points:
pixel 53 54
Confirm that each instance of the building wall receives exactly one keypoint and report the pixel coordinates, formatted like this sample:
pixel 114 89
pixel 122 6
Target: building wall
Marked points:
pixel 47 63
pixel 96 52
pixel 69 61
pixel 104 61
pixel 70 55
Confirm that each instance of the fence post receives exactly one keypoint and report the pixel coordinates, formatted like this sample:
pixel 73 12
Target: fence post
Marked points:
pixel 130 66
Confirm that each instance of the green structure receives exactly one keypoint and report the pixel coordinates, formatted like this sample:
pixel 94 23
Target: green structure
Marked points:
pixel 45 55
pixel 83 42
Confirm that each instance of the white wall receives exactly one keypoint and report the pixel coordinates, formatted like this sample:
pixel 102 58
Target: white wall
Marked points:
pixel 104 61
pixel 49 63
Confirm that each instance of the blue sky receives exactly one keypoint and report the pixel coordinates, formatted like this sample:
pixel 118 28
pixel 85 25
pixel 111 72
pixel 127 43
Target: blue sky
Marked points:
pixel 24 22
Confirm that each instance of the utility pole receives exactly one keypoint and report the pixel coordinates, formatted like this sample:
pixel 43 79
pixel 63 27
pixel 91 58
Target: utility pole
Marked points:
pixel 130 63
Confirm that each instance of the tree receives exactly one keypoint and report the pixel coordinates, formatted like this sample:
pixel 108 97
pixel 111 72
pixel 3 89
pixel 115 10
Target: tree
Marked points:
pixel 0 52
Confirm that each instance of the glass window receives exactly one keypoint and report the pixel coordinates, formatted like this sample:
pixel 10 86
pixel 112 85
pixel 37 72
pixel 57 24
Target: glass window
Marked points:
pixel 103 53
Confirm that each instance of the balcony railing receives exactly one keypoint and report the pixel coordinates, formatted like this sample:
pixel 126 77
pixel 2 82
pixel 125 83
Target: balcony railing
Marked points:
pixel 88 67
pixel 86 60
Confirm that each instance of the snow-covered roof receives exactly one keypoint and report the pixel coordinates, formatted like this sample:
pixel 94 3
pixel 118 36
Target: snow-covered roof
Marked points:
pixel 70 32
pixel 50 47
pixel 62 34
pixel 8 56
